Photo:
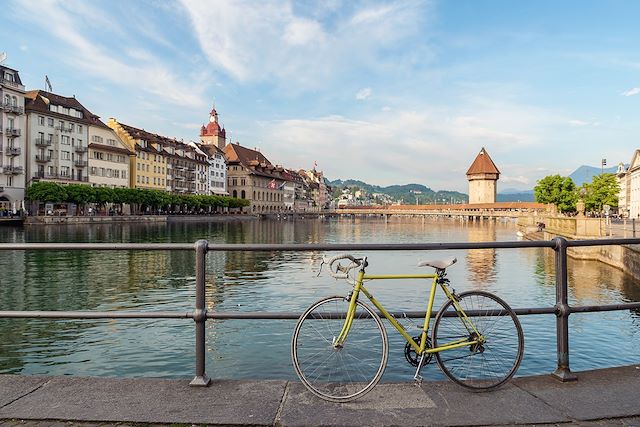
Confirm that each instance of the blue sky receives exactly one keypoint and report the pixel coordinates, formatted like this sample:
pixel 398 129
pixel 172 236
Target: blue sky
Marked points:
pixel 386 92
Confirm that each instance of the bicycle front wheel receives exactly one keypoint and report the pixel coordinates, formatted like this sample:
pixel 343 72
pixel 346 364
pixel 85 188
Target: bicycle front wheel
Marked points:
pixel 490 363
pixel 347 372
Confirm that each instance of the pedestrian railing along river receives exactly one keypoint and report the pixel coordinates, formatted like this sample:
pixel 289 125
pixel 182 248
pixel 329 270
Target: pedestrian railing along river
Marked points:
pixel 200 315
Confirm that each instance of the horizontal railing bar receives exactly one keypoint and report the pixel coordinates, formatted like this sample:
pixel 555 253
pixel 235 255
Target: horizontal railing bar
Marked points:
pixel 281 315
pixel 306 247
pixel 604 242
pixel 97 314
pixel 610 307
pixel 97 246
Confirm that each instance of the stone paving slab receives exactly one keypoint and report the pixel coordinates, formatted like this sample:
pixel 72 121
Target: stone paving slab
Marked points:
pixel 598 394
pixel 598 398
pixel 407 404
pixel 150 401
pixel 13 387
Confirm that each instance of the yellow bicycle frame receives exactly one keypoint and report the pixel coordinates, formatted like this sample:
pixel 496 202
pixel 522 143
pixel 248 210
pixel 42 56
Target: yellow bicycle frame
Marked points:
pixel 421 348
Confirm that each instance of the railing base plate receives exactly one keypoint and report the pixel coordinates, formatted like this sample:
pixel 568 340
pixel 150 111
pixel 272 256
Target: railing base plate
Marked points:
pixel 200 381
pixel 564 375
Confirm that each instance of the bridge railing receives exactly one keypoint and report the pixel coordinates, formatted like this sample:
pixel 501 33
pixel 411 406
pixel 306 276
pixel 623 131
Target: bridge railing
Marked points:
pixel 200 314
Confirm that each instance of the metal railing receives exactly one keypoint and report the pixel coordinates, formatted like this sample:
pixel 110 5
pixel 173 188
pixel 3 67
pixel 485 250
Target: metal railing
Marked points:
pixel 200 315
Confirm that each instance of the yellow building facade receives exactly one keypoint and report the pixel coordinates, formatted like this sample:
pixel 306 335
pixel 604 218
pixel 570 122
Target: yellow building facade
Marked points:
pixel 149 165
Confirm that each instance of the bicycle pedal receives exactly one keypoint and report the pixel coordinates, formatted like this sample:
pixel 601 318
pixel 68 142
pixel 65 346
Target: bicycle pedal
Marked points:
pixel 417 379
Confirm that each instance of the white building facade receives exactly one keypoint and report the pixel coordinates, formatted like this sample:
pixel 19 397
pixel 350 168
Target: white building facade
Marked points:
pixel 629 181
pixel 13 142
pixel 108 158
pixel 58 134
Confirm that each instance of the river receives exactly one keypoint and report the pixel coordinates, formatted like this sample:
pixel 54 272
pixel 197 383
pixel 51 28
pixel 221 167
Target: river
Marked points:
pixel 276 281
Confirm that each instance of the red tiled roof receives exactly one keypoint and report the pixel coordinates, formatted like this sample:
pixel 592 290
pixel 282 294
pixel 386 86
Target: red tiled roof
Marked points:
pixel 483 164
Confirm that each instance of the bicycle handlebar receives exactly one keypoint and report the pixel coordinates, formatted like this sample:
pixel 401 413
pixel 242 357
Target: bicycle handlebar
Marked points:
pixel 340 271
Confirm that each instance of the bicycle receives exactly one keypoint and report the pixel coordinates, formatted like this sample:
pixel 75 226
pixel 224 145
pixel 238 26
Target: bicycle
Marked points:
pixel 340 347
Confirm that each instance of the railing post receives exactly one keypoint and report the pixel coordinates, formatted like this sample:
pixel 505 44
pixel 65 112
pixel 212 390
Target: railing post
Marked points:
pixel 200 315
pixel 563 371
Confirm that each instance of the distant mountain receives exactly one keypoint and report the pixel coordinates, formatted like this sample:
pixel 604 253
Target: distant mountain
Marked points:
pixel 407 193
pixel 584 174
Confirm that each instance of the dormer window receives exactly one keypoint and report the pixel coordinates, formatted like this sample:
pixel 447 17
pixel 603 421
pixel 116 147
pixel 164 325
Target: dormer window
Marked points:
pixel 8 77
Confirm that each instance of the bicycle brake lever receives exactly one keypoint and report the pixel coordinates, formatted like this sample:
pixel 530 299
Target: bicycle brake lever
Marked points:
pixel 321 264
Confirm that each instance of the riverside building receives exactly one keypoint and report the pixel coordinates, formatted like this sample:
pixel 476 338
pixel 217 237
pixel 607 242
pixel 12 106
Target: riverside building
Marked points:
pixel 629 181
pixel 109 158
pixel 13 141
pixel 213 140
pixel 251 176
pixel 58 132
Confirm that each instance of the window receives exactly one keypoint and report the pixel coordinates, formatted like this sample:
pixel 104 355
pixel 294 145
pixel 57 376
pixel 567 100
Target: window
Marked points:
pixel 111 142
pixel 64 139
pixel 96 138
pixel 71 127
pixel 124 174
pixel 65 155
pixel 79 128
pixel 9 181
pixel 49 122
pixel 92 170
pixel 64 171
pixel 53 108
pixel 50 137
pixel 147 180
pixel 41 120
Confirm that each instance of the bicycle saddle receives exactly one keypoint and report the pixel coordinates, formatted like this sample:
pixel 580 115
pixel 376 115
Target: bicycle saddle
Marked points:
pixel 440 264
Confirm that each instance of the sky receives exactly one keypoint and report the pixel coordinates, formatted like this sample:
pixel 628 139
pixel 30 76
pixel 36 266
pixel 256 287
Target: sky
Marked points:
pixel 387 92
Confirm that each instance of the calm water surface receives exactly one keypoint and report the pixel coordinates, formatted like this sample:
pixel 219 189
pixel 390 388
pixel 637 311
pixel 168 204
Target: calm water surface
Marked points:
pixel 275 281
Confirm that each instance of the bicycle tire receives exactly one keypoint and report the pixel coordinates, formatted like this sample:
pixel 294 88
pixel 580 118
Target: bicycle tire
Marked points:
pixel 486 366
pixel 343 374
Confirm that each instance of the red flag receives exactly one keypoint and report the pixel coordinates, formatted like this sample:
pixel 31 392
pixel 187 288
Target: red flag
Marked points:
pixel 272 184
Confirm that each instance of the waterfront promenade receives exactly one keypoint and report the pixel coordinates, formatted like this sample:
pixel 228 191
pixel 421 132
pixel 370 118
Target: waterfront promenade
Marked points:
pixel 600 397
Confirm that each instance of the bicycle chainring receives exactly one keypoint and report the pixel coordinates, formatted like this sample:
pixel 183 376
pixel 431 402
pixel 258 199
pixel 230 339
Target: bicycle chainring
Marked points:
pixel 411 355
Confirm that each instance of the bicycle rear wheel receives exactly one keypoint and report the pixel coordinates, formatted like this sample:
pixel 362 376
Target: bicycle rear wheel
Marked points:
pixel 345 373
pixel 486 365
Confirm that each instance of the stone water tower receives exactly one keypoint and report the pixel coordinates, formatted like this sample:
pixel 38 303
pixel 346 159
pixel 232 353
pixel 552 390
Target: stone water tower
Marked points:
pixel 482 176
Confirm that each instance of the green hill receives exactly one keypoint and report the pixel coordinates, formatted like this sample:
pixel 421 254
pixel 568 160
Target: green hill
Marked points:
pixel 407 193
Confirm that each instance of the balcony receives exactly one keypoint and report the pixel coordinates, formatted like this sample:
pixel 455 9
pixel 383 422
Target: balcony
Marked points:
pixel 80 163
pixel 12 133
pixel 63 128
pixel 41 142
pixel 43 158
pixel 12 151
pixel 12 170
pixel 80 149
pixel 12 109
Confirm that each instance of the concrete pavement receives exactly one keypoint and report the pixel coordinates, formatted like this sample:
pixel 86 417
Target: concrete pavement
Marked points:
pixel 601 397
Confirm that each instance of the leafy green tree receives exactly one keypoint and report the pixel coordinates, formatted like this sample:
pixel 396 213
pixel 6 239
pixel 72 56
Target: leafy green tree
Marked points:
pixel 603 190
pixel 559 190
pixel 47 192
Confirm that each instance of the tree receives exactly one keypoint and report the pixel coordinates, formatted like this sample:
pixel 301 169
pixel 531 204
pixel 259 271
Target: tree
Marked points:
pixel 559 190
pixel 46 192
pixel 603 190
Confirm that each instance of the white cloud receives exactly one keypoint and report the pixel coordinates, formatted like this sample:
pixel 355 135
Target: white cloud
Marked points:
pixel 632 92
pixel 432 146
pixel 271 40
pixel 134 68
pixel 580 123
pixel 364 94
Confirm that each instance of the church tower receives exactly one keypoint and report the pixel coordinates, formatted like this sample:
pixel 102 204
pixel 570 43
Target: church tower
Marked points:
pixel 212 133
pixel 483 176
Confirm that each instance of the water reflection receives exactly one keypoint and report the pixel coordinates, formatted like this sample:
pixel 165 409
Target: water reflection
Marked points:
pixel 481 263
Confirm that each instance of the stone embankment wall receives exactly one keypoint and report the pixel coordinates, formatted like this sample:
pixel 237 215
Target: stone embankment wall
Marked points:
pixel 623 257
pixel 46 220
